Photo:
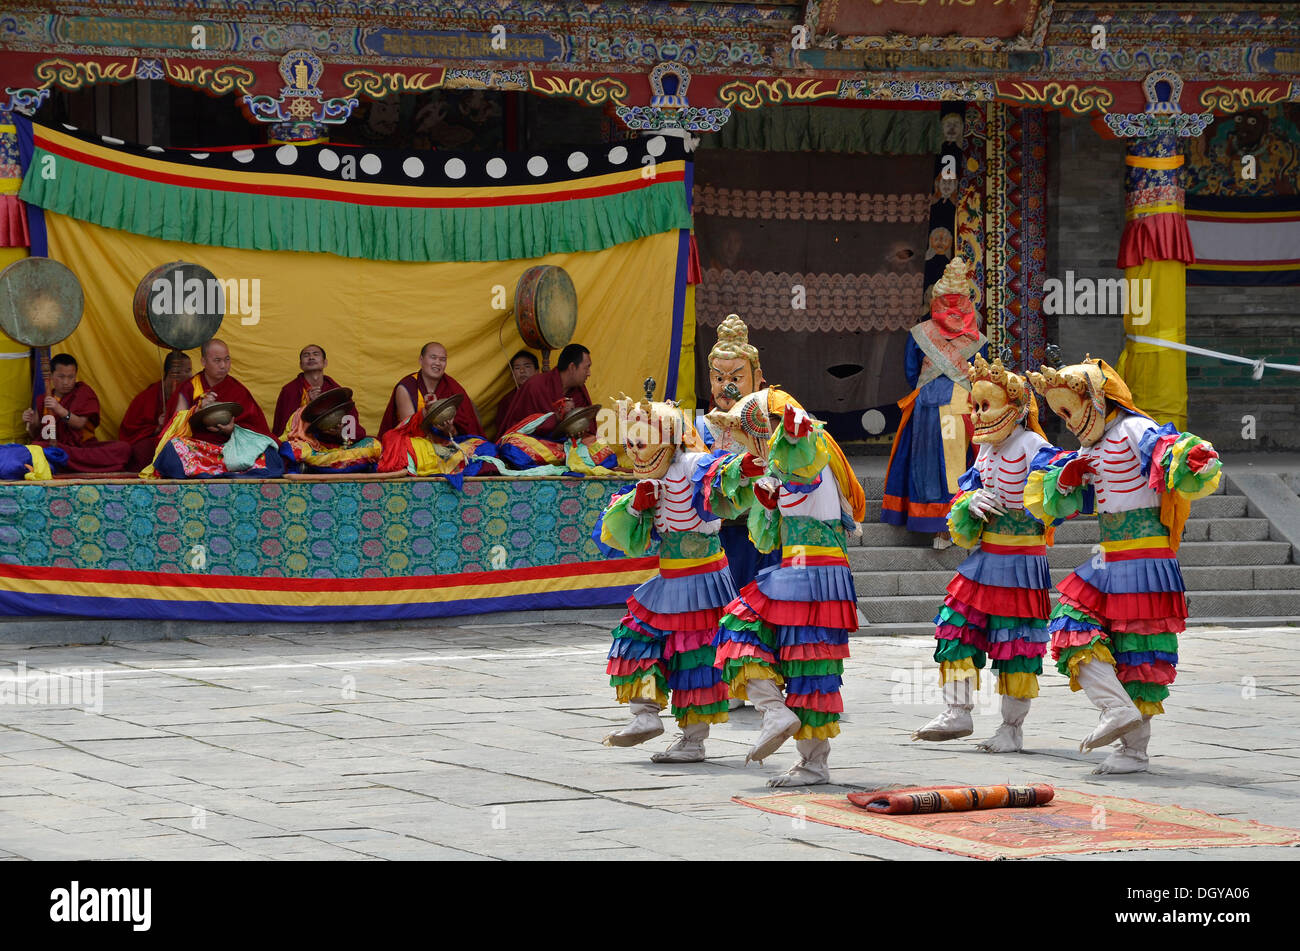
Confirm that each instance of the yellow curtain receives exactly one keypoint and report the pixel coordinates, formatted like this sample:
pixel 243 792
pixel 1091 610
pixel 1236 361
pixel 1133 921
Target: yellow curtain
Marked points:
pixel 686 362
pixel 371 317
pixel 15 372
pixel 1157 376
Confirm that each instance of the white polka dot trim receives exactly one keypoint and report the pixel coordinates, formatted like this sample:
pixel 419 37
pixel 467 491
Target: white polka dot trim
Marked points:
pixel 617 155
pixel 243 156
pixel 413 167
pixel 455 168
pixel 328 159
pixel 657 146
pixel 286 154
pixel 577 161
pixel 496 167
pixel 370 163
pixel 537 166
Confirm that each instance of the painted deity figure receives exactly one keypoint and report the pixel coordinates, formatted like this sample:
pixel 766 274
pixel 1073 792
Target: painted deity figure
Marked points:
pixel 663 648
pixel 789 627
pixel 931 448
pixel 1116 624
pixel 997 605
pixel 734 373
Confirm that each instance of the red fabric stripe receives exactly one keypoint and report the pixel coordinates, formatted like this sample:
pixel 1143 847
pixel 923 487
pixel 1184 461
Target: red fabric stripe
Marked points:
pixel 1159 237
pixel 1163 608
pixel 815 652
pixel 685 621
pixel 410 582
pixel 821 702
pixel 700 696
pixel 1006 602
pixel 815 560
pixel 680 642
pixel 622 666
pixel 321 194
pixel 1135 553
pixel 837 614
pixel 996 549
pixel 739 650
pixel 1159 672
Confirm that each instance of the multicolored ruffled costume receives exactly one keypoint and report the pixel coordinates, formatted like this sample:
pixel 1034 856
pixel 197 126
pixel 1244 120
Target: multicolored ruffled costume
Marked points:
pixel 1127 607
pixel 997 605
pixel 791 625
pixel 523 449
pixel 663 648
pixel 409 446
pixel 303 452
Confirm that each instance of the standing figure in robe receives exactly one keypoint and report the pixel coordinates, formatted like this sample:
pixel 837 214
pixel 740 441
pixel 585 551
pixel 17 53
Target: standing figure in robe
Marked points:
pixel 997 605
pixel 1116 624
pixel 69 416
pixel 663 647
pixel 931 448
pixel 790 626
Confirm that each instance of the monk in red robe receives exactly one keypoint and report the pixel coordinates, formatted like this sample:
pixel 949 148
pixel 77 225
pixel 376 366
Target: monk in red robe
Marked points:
pixel 560 390
pixel 523 367
pixel 147 415
pixel 214 384
pixel 433 383
pixel 71 413
pixel 304 388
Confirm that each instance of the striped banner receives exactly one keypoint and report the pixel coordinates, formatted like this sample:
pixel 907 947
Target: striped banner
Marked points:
pixel 1244 241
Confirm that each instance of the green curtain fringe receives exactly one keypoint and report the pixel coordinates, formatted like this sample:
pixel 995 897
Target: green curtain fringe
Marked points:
pixel 381 233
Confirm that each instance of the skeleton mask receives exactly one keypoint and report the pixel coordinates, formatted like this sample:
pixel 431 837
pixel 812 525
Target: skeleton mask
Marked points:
pixel 653 432
pixel 1076 394
pixel 1000 398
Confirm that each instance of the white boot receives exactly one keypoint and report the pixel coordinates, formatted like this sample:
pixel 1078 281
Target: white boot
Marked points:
pixel 689 747
pixel 811 770
pixel 1008 738
pixel 645 725
pixel 1131 757
pixel 779 721
pixel 1118 714
pixel 955 721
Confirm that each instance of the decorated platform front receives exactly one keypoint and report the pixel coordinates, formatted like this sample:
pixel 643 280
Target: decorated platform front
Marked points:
pixel 306 550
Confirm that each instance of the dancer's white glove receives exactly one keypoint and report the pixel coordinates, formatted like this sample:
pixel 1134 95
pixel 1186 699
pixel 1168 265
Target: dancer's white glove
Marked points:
pixel 984 503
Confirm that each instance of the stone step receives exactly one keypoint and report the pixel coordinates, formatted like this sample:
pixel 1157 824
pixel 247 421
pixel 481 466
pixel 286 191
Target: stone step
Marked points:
pixel 926 628
pixel 1238 553
pixel 888 584
pixel 1085 530
pixel 918 609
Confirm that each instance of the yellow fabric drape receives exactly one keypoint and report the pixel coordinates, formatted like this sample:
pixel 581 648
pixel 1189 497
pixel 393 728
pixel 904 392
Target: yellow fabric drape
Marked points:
pixel 1157 376
pixel 15 372
pixel 686 360
pixel 371 317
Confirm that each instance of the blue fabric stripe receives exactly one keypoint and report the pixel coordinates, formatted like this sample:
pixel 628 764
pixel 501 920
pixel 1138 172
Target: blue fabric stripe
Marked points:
pixel 829 683
pixel 1133 658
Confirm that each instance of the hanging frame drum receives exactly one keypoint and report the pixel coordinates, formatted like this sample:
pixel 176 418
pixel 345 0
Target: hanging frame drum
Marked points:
pixel 40 301
pixel 546 309
pixel 179 305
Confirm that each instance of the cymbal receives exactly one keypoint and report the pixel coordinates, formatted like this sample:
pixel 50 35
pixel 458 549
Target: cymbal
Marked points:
pixel 215 414
pixel 327 410
pixel 441 412
pixel 575 423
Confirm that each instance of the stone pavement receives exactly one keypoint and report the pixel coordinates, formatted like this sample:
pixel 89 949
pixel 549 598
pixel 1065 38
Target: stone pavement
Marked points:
pixel 483 741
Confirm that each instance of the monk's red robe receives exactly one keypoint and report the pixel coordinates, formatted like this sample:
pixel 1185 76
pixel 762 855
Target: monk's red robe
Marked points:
pixel 539 395
pixel 466 421
pixel 293 396
pixel 503 410
pixel 143 424
pixel 85 452
pixel 228 390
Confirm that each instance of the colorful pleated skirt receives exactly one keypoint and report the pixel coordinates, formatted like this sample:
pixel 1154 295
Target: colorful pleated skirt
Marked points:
pixel 791 624
pixel 663 648
pixel 997 608
pixel 1126 606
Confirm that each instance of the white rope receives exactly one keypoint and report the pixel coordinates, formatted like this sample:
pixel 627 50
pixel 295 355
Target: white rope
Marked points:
pixel 20 355
pixel 1258 366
